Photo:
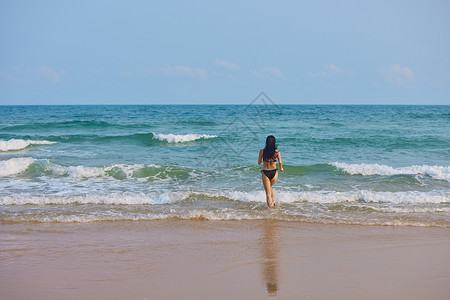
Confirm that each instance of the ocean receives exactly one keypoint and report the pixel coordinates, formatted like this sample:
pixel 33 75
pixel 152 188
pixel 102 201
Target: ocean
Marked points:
pixel 343 164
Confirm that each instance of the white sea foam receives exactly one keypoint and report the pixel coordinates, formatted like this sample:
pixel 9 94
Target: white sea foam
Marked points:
pixel 410 197
pixel 283 197
pixel 14 165
pixel 293 197
pixel 18 144
pixel 119 171
pixel 328 197
pixel 394 209
pixel 17 165
pixel 411 209
pixel 109 199
pixel 146 216
pixel 437 172
pixel 217 215
pixel 180 138
pixel 83 172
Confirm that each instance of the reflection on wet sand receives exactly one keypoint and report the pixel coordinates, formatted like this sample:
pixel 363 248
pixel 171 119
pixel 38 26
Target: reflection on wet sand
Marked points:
pixel 270 253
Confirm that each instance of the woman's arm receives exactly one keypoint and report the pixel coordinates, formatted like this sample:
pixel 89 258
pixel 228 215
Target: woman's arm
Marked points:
pixel 280 162
pixel 260 158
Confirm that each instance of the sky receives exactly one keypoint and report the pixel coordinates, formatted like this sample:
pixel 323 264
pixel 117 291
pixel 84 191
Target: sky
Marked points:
pixel 224 52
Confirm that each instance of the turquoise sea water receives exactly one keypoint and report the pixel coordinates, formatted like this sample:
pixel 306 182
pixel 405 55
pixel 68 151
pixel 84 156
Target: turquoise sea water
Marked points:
pixel 367 165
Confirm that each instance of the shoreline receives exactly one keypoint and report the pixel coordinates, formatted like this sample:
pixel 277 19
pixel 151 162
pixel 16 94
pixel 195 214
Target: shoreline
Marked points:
pixel 184 259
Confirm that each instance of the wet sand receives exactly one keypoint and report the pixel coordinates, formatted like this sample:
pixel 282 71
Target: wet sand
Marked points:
pixel 176 259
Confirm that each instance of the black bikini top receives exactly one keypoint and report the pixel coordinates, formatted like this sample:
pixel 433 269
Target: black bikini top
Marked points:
pixel 273 160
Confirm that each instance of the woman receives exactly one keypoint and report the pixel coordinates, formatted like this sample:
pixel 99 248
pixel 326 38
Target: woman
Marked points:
pixel 269 156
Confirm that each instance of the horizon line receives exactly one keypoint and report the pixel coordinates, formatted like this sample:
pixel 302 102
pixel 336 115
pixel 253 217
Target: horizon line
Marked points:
pixel 168 104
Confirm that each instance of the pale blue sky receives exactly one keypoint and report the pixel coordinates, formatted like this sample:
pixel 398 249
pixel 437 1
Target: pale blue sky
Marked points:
pixel 189 52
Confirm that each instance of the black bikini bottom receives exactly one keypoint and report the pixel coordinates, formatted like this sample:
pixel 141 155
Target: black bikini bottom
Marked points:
pixel 269 173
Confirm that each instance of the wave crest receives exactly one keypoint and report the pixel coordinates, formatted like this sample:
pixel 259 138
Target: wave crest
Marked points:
pixel 18 144
pixel 14 165
pixel 329 197
pixel 181 138
pixel 96 199
pixel 437 172
pixel 117 171
pixel 37 167
pixel 284 197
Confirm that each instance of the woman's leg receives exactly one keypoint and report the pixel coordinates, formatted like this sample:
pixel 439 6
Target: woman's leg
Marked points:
pixel 268 189
pixel 272 182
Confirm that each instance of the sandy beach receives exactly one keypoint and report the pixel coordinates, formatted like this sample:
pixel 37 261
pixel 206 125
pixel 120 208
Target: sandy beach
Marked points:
pixel 176 259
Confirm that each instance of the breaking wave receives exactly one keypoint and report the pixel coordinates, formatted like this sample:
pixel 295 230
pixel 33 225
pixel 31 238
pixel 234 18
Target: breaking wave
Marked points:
pixel 37 167
pixel 98 199
pixel 327 197
pixel 327 207
pixel 436 172
pixel 14 165
pixel 18 144
pixel 181 138
pixel 283 197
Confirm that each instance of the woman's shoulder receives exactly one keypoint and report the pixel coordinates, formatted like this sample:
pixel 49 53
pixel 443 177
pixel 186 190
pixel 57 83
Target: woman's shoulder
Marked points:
pixel 277 151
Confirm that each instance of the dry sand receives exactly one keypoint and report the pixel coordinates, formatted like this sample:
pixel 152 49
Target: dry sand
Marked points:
pixel 176 259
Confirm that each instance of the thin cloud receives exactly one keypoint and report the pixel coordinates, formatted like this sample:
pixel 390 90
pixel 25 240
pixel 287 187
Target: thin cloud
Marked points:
pixel 24 73
pixel 398 74
pixel 329 70
pixel 333 69
pixel 268 72
pixel 51 73
pixel 185 71
pixel 227 65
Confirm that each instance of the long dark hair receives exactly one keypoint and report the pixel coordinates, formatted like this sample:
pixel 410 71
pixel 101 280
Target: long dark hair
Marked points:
pixel 269 150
